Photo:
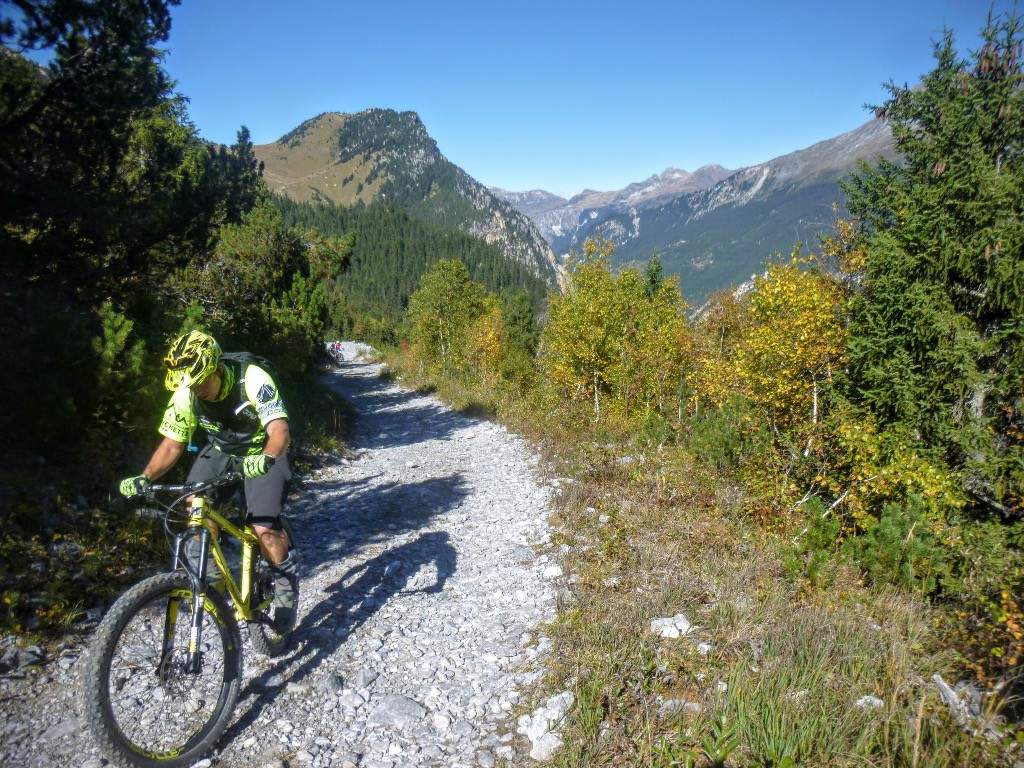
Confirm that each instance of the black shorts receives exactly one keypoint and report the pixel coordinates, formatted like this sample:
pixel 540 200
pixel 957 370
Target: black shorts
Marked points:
pixel 264 495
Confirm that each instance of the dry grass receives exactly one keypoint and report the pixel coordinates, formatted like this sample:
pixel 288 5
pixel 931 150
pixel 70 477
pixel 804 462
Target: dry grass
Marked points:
pixel 310 171
pixel 775 667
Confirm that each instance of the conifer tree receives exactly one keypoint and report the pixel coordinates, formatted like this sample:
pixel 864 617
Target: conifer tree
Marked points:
pixel 654 274
pixel 94 149
pixel 936 346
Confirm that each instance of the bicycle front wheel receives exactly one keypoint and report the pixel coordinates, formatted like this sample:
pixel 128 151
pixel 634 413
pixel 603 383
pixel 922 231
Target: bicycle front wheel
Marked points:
pixel 144 706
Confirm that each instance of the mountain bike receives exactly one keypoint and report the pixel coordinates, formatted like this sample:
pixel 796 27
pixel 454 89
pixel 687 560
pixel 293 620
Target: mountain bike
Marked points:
pixel 165 668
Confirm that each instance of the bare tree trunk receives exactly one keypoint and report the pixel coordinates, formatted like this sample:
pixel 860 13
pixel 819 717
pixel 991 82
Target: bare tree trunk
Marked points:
pixel 814 419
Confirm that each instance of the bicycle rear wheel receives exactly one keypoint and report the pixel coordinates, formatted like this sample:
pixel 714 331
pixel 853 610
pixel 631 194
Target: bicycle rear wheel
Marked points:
pixel 142 705
pixel 262 634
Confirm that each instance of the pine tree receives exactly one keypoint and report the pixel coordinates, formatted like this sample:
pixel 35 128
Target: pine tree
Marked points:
pixel 654 274
pixel 936 346
pixel 96 157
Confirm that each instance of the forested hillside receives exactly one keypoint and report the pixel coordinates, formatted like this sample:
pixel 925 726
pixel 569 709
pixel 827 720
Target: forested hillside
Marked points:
pixel 387 157
pixel 823 474
pixel 713 228
pixel 389 253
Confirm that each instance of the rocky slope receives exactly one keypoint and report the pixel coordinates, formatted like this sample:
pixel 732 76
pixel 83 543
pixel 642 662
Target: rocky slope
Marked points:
pixel 716 236
pixel 560 220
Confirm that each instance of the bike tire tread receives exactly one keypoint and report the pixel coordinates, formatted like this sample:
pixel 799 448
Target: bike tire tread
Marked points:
pixel 94 678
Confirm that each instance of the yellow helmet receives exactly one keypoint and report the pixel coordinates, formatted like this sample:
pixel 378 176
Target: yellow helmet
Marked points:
pixel 191 359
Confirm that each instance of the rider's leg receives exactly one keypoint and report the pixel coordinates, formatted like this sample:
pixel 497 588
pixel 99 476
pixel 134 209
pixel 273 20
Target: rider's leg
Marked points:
pixel 284 564
pixel 273 543
pixel 264 497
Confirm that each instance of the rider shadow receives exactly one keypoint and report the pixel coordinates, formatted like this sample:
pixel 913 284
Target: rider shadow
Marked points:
pixel 426 562
pixel 421 566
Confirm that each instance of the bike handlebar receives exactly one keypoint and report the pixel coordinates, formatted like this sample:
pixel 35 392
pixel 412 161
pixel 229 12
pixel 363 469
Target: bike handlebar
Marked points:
pixel 228 478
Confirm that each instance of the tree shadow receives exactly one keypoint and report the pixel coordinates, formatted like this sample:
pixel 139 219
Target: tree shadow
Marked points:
pixel 372 514
pixel 414 417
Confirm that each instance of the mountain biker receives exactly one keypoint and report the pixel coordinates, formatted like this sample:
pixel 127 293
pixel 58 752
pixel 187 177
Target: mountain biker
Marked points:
pixel 238 405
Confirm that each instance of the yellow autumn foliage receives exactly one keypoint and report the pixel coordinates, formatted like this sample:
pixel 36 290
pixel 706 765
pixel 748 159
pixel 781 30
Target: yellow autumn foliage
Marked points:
pixel 486 343
pixel 712 376
pixel 793 344
pixel 614 339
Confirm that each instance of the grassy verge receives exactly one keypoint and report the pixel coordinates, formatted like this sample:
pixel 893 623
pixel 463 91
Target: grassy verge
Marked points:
pixel 784 665
pixel 321 421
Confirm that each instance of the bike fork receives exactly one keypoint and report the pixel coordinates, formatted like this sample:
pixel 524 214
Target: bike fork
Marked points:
pixel 197 573
pixel 170 624
pixel 194 660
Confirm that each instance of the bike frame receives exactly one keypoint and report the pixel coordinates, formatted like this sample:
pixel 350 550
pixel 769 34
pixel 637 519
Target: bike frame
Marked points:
pixel 204 521
pixel 207 524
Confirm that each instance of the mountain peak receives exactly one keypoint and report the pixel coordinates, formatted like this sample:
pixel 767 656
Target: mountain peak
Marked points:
pixel 380 155
pixel 674 173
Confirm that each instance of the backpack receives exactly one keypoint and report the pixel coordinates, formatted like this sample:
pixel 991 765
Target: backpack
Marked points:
pixel 248 358
pixel 245 359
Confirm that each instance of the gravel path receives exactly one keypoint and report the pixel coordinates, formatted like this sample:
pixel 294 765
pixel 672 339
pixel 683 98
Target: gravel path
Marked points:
pixel 426 573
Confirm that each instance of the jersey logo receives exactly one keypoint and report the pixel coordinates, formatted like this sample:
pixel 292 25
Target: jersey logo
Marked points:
pixel 266 393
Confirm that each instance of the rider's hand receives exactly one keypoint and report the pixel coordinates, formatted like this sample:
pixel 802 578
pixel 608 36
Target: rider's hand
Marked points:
pixel 254 466
pixel 133 486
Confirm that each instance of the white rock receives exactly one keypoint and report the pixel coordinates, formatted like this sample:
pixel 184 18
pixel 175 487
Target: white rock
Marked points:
pixel 545 747
pixel 869 702
pixel 676 626
pixel 539 727
pixel 394 709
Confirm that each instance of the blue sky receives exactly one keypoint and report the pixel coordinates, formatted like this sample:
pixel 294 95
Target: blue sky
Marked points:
pixel 563 96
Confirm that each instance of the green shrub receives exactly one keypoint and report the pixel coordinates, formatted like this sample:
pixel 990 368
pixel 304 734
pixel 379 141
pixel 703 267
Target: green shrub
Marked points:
pixel 716 435
pixel 815 548
pixel 987 586
pixel 902 549
pixel 654 430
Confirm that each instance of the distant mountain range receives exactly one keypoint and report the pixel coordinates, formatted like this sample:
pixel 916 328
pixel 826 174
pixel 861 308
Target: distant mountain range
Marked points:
pixel 559 219
pixel 714 227
pixel 387 157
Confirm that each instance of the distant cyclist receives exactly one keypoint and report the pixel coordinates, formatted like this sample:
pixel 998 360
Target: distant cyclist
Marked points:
pixel 238 405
